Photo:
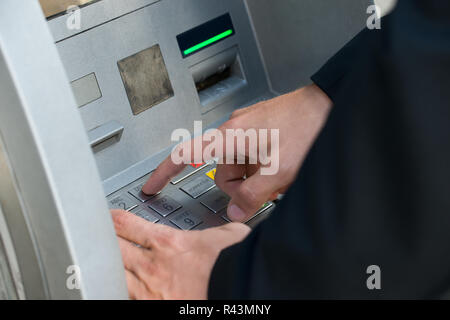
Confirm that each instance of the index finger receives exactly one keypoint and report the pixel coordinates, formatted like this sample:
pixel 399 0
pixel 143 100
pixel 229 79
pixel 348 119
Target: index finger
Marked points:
pixel 168 169
pixel 162 176
pixel 139 231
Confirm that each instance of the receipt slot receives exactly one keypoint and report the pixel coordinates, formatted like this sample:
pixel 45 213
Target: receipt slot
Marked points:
pixel 86 115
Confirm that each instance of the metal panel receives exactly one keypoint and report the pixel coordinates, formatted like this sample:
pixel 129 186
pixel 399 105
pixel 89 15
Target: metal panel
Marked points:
pixel 86 90
pixel 11 286
pixel 146 134
pixel 297 37
pixel 23 258
pixel 145 78
pixel 63 218
pixel 94 15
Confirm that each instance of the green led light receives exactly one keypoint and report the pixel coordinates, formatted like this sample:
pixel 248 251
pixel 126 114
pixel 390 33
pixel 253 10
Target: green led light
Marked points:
pixel 208 42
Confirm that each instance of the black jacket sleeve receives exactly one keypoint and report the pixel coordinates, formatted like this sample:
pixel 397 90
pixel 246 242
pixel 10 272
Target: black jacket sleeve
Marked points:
pixel 333 72
pixel 331 75
pixel 374 190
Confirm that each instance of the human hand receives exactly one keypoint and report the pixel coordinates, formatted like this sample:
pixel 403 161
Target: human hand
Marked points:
pixel 170 264
pixel 299 117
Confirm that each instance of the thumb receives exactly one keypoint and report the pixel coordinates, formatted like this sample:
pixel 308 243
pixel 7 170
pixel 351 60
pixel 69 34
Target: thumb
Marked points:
pixel 250 195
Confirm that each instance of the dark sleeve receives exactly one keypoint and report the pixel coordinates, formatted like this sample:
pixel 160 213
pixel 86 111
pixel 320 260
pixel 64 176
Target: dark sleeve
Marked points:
pixel 374 190
pixel 330 77
pixel 331 74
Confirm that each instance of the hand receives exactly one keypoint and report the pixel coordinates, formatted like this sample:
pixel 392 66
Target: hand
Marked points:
pixel 170 264
pixel 299 116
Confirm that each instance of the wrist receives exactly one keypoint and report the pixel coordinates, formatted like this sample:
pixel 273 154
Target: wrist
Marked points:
pixel 312 107
pixel 318 98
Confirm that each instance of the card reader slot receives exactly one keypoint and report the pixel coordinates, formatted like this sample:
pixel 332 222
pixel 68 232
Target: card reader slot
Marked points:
pixel 218 78
pixel 105 135
pixel 213 80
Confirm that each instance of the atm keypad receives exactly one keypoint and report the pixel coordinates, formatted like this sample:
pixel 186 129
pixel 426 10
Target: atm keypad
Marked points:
pixel 191 201
pixel 199 186
pixel 136 192
pixel 187 172
pixel 146 214
pixel 266 206
pixel 122 202
pixel 164 205
pixel 215 200
pixel 185 220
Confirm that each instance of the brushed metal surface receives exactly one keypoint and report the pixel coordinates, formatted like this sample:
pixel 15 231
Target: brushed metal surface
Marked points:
pixel 62 218
pixel 100 48
pixel 145 78
pixel 86 89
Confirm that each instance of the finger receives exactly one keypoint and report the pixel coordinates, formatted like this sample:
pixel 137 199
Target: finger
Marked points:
pixel 250 195
pixel 228 234
pixel 285 189
pixel 132 256
pixel 251 169
pixel 274 196
pixel 239 112
pixel 138 230
pixel 189 151
pixel 228 176
pixel 137 290
pixel 133 285
pixel 141 263
pixel 162 176
pixel 193 152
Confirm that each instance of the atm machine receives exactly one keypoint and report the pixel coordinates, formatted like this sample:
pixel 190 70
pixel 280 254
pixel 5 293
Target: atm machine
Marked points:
pixel 90 92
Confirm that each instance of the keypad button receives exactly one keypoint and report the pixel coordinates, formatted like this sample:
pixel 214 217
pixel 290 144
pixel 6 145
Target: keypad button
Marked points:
pixel 212 174
pixel 122 202
pixel 167 223
pixel 164 205
pixel 264 207
pixel 147 215
pixel 197 165
pixel 185 220
pixel 216 200
pixel 198 186
pixel 188 171
pixel 136 192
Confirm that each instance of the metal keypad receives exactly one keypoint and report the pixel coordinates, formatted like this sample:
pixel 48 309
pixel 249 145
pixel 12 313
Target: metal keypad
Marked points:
pixel 194 204
pixel 198 186
pixel 136 192
pixel 146 214
pixel 186 220
pixel 187 172
pixel 167 223
pixel 266 206
pixel 216 200
pixel 164 205
pixel 122 202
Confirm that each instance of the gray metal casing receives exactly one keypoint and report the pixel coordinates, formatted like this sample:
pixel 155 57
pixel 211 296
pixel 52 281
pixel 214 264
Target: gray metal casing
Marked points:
pixel 60 217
